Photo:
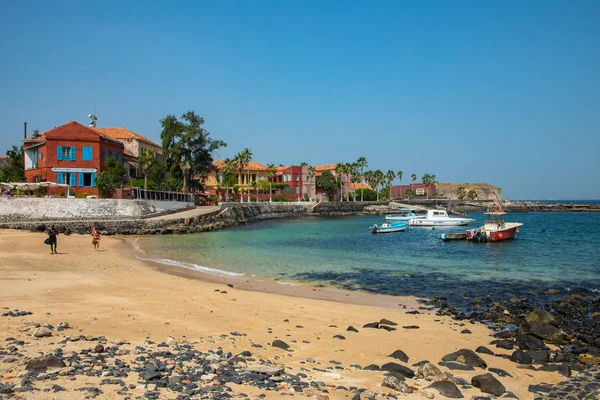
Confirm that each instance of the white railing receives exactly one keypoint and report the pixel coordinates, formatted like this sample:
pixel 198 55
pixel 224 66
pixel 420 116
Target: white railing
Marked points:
pixel 142 194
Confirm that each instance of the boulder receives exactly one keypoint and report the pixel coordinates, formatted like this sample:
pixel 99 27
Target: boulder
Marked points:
pixel 399 355
pixel 543 330
pixel 540 315
pixel 352 329
pixel 372 367
pixel 280 344
pixel 395 383
pixel 269 370
pixel 467 357
pixel 446 388
pixel 487 383
pixel 484 350
pixel 530 342
pixel 43 363
pixel 429 370
pixel 539 355
pixel 520 357
pixel 401 369
pixel 42 331
pixel 387 322
pixel 371 325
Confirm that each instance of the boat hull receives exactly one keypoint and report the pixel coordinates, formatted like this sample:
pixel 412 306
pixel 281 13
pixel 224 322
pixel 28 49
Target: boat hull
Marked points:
pixel 453 236
pixel 389 228
pixel 494 235
pixel 448 222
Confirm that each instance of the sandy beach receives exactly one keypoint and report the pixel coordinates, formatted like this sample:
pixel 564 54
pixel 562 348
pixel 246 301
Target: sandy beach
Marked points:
pixel 112 294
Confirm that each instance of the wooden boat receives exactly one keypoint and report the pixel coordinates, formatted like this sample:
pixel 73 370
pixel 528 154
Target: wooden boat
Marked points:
pixel 389 227
pixel 453 236
pixel 495 228
pixel 439 218
pixel 405 214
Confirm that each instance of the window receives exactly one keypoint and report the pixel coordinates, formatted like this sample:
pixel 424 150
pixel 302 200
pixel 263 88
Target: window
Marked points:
pixel 66 178
pixel 120 158
pixel 105 154
pixel 86 153
pixel 87 179
pixel 65 153
pixel 40 155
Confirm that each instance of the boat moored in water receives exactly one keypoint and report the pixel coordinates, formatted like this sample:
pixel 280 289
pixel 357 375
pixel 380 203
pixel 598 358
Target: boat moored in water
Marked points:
pixel 495 228
pixel 405 214
pixel 453 236
pixel 389 227
pixel 439 218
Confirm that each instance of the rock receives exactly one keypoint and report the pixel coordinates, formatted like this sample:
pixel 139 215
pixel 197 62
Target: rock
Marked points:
pixel 399 355
pixel 352 329
pixel 429 370
pixel 150 374
pixel 466 356
pixel 484 350
pixel 428 393
pixel 280 344
pixel 6 388
pixel 454 366
pixel 539 355
pixel 269 370
pixel 500 372
pixel 372 325
pixel 589 359
pixel 487 383
pixel 387 322
pixel 42 364
pixel 339 337
pixel 42 331
pixel 395 383
pixel 540 315
pixel 466 332
pixel 401 369
pixel 410 327
pixel 372 367
pixel 387 328
pixel 446 388
pixel 99 348
pixel 520 357
pixel 504 344
pixel 530 342
pixel 543 331
pixel 171 341
pixel 62 326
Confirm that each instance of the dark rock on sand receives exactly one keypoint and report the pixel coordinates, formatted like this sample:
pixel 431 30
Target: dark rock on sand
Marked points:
pixel 520 357
pixel 500 372
pixel 351 329
pixel 396 383
pixel 504 344
pixel 539 315
pixel 371 325
pixel 339 337
pixel 99 349
pixel 539 355
pixel 399 355
pixel 484 350
pixel 387 328
pixel 454 366
pixel 466 356
pixel 466 332
pixel 372 367
pixel 543 331
pixel 280 344
pixel 401 369
pixel 530 342
pixel 42 364
pixel 447 388
pixel 387 322
pixel 487 383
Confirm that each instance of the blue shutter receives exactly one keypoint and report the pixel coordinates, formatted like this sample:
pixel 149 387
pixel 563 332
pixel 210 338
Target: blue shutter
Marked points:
pixel 120 158
pixel 59 153
pixel 40 155
pixel 114 155
pixel 59 178
pixel 73 153
pixel 105 155
pixel 94 179
pixel 73 179
pixel 81 182
pixel 87 153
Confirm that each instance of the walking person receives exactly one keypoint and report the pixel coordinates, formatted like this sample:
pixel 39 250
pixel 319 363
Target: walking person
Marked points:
pixel 52 233
pixel 95 238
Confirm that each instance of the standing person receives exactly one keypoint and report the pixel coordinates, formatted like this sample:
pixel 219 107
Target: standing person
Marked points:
pixel 95 238
pixel 52 233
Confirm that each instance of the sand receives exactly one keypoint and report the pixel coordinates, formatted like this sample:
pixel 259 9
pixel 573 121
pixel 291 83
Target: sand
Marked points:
pixel 111 293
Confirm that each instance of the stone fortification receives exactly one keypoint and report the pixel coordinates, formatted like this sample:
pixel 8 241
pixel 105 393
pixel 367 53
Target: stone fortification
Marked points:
pixel 483 190
pixel 349 207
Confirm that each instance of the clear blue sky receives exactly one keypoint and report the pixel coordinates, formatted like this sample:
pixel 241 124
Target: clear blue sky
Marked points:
pixel 503 92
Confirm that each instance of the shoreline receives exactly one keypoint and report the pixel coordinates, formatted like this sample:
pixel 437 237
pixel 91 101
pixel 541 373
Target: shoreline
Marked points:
pixel 126 304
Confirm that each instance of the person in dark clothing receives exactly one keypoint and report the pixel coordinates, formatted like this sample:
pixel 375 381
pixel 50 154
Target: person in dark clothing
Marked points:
pixel 52 233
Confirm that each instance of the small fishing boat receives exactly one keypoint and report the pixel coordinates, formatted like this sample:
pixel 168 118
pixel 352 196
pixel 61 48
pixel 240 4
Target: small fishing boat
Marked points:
pixel 439 218
pixel 453 236
pixel 389 227
pixel 405 214
pixel 495 228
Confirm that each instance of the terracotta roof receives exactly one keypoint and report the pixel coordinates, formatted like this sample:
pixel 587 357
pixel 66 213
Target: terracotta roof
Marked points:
pixel 4 157
pixel 252 165
pixel 465 185
pixel 40 138
pixel 325 167
pixel 124 134
pixel 354 186
pixel 281 169
pixel 129 154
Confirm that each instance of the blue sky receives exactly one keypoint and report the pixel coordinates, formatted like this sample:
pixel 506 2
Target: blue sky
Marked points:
pixel 503 92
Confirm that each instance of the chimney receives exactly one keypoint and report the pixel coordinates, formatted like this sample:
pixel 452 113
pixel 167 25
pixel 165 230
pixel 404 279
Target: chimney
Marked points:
pixel 24 130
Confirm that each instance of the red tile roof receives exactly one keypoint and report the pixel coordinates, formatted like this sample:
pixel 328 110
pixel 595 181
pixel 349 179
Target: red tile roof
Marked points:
pixel 124 134
pixel 252 165
pixel 325 167
pixel 355 186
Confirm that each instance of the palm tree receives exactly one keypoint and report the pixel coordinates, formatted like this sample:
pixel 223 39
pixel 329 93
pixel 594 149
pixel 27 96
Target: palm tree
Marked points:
pixel 369 178
pixel 229 172
pixel 399 175
pixel 413 177
pixel 427 180
pixel 378 179
pixel 242 161
pixel 355 176
pixel 362 164
pixel 389 177
pixel 185 170
pixel 145 162
pixel 312 172
pixel 271 173
pixel 340 170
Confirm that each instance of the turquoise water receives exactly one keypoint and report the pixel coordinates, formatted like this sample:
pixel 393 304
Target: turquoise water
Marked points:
pixel 553 250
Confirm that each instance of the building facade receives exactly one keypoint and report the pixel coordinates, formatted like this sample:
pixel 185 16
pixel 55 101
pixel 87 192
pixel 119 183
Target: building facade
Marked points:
pixel 70 154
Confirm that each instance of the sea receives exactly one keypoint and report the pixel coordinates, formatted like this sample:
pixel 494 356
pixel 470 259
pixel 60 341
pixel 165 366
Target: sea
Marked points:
pixel 553 251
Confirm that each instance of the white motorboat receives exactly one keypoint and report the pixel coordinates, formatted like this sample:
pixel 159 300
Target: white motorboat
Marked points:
pixel 389 227
pixel 439 218
pixel 405 214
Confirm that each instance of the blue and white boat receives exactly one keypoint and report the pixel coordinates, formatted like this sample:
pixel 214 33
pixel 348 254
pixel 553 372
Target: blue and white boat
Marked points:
pixel 405 214
pixel 439 218
pixel 389 227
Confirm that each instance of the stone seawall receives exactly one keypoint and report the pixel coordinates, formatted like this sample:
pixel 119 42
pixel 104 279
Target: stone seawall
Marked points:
pixel 55 209
pixel 350 208
pixel 226 216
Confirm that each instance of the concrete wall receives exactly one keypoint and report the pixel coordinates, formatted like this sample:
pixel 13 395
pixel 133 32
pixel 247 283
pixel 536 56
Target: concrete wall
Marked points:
pixel 18 209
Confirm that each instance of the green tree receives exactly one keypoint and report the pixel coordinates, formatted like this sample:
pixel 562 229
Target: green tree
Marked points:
pixel 379 180
pixel 409 194
pixel 15 170
pixel 187 147
pixel 145 161
pixel 328 183
pixel 413 177
pixel 461 193
pixel 341 171
pixel 362 164
pixel 399 175
pixel 229 175
pixel 427 180
pixel 243 159
pixel 271 173
pixel 355 177
pixel 389 179
pixel 110 178
pixel 312 172
pixel 472 195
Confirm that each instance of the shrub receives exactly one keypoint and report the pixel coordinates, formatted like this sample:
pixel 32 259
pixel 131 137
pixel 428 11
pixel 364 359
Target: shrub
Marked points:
pixel 81 196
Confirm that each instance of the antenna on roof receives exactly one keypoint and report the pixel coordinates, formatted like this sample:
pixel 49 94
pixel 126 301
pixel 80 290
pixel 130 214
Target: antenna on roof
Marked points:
pixel 93 119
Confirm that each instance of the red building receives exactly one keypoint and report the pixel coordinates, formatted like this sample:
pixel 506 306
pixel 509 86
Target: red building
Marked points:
pixel 70 154
pixel 419 190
